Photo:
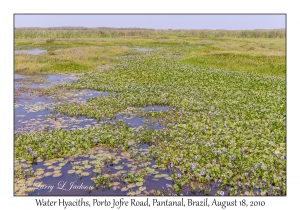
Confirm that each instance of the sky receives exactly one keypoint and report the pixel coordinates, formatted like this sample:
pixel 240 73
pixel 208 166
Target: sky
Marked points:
pixel 187 21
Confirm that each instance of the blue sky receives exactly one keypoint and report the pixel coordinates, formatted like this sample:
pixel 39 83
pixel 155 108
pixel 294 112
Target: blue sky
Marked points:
pixel 188 21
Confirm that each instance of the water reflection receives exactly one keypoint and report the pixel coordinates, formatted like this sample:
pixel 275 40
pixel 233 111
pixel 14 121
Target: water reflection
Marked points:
pixel 35 51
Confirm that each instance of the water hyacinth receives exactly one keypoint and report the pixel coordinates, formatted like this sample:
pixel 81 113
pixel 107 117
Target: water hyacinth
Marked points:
pixel 193 166
pixel 28 149
pixel 239 184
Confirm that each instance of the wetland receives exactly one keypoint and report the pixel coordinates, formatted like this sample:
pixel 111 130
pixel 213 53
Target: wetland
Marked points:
pixel 108 112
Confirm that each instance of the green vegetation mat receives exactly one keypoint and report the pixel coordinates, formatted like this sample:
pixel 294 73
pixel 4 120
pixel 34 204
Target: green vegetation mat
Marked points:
pixel 226 96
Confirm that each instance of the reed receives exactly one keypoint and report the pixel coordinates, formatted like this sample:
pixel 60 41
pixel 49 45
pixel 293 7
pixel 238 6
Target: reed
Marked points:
pixel 113 33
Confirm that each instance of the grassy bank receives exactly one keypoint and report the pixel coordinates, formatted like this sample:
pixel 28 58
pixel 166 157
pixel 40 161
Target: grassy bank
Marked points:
pixel 85 50
pixel 69 60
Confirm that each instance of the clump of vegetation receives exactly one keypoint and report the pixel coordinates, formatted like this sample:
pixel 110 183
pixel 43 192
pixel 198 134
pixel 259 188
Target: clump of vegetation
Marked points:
pixel 69 60
pixel 50 40
pixel 264 56
pixel 62 143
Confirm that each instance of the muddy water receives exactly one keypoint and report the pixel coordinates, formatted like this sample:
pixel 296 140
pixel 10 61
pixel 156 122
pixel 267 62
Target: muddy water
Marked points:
pixel 75 175
pixel 40 81
pixel 31 51
pixel 129 173
pixel 88 167
pixel 33 109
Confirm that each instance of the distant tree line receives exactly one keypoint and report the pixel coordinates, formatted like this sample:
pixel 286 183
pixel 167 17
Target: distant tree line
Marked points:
pixel 106 32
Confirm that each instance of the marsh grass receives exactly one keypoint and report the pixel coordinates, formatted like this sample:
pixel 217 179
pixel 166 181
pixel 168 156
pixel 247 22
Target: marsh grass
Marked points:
pixel 68 60
pixel 84 51
pixel 272 65
pixel 166 34
pixel 264 56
